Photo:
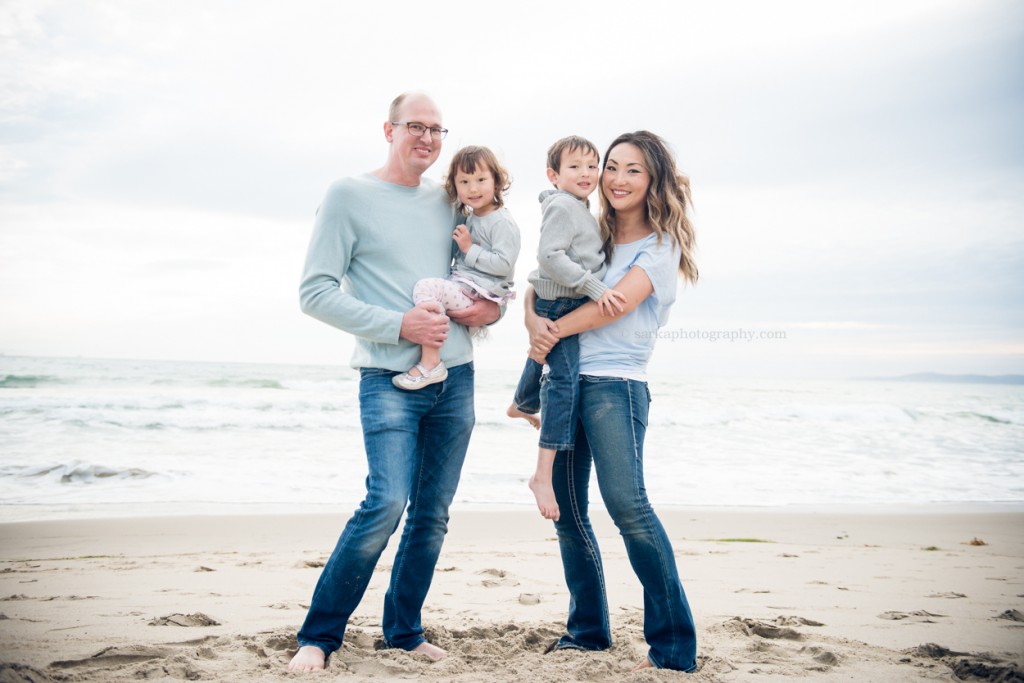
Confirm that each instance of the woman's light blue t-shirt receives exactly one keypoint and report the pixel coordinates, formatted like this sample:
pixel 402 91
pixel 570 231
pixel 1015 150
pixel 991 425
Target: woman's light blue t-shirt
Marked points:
pixel 622 348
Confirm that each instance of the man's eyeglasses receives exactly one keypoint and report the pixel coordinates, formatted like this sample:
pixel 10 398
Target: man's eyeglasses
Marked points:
pixel 418 129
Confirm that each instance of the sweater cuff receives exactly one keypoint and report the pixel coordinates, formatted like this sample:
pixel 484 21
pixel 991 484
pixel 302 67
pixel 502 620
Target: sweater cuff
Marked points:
pixel 473 254
pixel 592 287
pixel 392 333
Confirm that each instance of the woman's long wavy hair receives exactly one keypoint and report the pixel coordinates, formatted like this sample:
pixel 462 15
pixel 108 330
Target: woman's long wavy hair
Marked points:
pixel 668 200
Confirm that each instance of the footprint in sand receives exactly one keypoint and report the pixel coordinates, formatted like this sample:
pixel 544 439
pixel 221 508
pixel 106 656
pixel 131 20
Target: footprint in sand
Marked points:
pixel 114 656
pixel 1011 615
pixel 795 621
pixel 21 673
pixel 776 628
pixel 501 578
pixel 821 655
pixel 766 651
pixel 968 666
pixel 194 619
pixel 920 616
pixel 279 605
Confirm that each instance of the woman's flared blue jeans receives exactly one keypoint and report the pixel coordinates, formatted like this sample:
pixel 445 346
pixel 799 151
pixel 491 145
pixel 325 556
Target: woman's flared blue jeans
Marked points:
pixel 415 443
pixel 614 421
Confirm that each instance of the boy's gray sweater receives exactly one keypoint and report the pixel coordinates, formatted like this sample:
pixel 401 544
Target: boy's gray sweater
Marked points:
pixel 569 256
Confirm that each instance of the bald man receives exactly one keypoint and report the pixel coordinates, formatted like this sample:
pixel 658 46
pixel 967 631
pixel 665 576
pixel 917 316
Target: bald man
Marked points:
pixel 378 233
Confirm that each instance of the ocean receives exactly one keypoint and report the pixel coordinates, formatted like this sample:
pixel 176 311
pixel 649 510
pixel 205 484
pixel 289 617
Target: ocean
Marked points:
pixel 95 438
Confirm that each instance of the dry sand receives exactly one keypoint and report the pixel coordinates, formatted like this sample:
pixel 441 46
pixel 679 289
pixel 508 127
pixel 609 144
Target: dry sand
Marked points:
pixel 900 595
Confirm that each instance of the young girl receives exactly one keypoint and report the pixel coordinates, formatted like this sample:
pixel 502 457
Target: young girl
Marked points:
pixel 486 260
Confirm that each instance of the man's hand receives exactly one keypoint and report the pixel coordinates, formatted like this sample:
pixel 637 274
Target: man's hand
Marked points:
pixel 481 312
pixel 425 325
pixel 463 238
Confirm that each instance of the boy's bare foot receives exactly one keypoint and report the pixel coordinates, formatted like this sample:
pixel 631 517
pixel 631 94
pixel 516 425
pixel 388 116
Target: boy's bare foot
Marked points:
pixel 643 664
pixel 545 496
pixel 529 417
pixel 430 650
pixel 308 658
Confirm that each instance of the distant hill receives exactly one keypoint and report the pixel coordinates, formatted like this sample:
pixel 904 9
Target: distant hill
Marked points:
pixel 951 379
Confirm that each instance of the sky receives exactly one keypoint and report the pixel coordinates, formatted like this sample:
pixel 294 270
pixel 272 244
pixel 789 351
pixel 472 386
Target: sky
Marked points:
pixel 857 167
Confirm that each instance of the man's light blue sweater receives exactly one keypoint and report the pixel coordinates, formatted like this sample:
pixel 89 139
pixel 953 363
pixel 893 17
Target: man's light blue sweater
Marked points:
pixel 372 240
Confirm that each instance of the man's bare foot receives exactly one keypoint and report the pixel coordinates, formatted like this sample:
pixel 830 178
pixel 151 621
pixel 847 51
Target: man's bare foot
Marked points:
pixel 643 664
pixel 515 412
pixel 308 658
pixel 429 650
pixel 545 496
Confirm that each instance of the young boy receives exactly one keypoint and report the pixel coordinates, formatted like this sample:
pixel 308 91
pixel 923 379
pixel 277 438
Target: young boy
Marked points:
pixel 571 263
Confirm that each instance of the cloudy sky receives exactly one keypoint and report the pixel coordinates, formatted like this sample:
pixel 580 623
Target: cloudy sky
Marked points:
pixel 858 167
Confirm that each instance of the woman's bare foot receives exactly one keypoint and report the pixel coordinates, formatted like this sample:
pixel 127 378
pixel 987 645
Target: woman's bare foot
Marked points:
pixel 529 417
pixel 308 658
pixel 545 496
pixel 429 650
pixel 643 664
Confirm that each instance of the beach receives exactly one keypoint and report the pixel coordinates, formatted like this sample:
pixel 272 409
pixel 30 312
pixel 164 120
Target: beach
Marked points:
pixel 869 593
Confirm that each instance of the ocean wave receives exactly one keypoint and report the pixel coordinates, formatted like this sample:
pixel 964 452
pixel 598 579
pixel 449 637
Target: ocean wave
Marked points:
pixel 199 424
pixel 76 473
pixel 183 412
pixel 246 383
pixel 27 381
pixel 852 414
pixel 1004 420
pixel 84 431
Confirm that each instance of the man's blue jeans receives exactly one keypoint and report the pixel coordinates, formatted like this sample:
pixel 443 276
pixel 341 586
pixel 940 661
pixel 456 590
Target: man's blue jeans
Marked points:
pixel 415 443
pixel 557 394
pixel 614 422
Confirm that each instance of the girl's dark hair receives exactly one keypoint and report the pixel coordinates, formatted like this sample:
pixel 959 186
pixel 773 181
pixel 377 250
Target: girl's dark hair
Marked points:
pixel 467 160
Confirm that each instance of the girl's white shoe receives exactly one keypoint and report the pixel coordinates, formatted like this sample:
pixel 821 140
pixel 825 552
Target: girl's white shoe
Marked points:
pixel 411 382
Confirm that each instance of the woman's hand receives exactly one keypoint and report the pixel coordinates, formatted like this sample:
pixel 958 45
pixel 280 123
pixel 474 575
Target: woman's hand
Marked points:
pixel 543 332
pixel 543 335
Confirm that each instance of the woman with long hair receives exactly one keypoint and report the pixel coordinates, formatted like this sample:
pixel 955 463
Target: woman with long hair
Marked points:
pixel 648 235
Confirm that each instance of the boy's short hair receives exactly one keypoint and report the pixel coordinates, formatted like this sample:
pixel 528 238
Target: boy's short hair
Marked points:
pixel 569 144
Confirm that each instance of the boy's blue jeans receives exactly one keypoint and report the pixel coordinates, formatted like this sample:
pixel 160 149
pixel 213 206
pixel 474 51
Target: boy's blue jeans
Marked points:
pixel 614 421
pixel 415 443
pixel 557 395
